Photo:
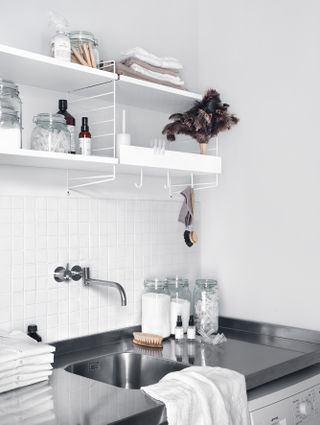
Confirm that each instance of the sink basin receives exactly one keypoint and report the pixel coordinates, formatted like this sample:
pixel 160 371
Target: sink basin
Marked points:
pixel 125 370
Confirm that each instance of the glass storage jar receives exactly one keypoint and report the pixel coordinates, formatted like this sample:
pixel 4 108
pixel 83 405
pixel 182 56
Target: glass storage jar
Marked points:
pixel 155 308
pixel 11 103
pixel 10 130
pixel 50 134
pixel 180 302
pixel 79 38
pixel 206 305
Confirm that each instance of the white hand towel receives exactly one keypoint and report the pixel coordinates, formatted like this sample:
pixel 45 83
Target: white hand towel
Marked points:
pixel 142 54
pixel 14 384
pixel 202 396
pixel 16 344
pixel 38 360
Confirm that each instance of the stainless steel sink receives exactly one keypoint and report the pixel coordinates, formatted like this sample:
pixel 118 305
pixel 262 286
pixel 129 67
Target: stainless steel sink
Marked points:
pixel 125 370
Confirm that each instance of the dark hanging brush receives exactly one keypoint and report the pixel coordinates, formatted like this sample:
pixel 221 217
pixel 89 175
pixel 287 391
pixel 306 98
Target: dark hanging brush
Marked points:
pixel 190 237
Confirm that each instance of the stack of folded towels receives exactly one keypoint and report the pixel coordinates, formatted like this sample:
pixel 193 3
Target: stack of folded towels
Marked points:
pixel 23 361
pixel 29 406
pixel 139 63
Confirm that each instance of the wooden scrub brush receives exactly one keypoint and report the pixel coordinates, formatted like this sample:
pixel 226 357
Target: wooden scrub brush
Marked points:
pixel 147 340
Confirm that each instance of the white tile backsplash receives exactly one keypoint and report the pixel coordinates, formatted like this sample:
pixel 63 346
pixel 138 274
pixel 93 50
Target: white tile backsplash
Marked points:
pixel 121 240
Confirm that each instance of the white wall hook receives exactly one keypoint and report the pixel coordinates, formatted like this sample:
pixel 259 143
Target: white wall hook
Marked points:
pixel 140 184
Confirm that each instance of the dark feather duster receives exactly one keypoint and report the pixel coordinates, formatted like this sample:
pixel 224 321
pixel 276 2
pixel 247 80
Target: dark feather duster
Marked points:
pixel 203 121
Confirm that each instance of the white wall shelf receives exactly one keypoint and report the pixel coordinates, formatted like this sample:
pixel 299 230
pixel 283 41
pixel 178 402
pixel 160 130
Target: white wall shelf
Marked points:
pixel 41 159
pixel 135 157
pixel 147 95
pixel 33 69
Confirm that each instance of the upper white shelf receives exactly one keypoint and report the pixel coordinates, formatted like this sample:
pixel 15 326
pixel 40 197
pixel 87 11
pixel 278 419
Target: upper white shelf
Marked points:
pixel 158 97
pixel 33 69
pixel 31 158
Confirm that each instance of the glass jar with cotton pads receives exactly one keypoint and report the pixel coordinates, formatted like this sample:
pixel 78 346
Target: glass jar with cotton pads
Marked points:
pixel 206 306
pixel 50 133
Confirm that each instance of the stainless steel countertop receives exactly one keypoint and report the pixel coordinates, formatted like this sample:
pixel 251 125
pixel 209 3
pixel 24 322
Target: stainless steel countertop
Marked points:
pixel 261 352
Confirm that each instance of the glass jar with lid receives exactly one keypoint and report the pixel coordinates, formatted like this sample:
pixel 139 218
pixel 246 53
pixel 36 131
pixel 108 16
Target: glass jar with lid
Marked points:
pixel 155 308
pixel 10 130
pixel 50 133
pixel 78 41
pixel 11 112
pixel 180 301
pixel 206 305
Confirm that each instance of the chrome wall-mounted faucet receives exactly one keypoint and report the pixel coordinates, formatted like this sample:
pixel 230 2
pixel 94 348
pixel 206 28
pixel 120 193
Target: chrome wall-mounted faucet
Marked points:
pixel 62 274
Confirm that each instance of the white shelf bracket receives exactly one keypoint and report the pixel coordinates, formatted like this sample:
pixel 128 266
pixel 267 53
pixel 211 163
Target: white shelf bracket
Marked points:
pixel 195 186
pixel 140 184
pixel 91 180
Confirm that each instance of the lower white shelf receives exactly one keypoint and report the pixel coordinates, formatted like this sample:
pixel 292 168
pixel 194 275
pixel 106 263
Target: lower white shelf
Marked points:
pixel 32 158
pixel 132 157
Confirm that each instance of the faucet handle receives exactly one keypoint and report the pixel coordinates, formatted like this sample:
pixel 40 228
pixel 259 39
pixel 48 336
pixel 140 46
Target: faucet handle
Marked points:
pixel 77 273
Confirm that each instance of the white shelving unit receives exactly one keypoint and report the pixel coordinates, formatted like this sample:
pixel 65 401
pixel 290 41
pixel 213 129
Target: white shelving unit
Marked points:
pixel 33 69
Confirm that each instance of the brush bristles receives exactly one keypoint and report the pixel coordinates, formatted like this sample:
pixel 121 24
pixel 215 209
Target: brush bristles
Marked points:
pixel 148 340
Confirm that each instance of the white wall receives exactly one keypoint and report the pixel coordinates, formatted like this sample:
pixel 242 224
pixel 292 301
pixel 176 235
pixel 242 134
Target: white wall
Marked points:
pixel 262 224
pixel 165 28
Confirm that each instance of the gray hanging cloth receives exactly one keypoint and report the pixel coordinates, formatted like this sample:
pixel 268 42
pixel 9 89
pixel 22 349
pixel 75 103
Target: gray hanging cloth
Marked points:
pixel 186 212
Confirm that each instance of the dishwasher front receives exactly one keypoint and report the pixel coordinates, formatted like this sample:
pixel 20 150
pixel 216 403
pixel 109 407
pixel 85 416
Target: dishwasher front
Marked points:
pixel 292 400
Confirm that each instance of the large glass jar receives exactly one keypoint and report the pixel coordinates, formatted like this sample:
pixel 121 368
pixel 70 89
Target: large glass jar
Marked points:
pixel 206 305
pixel 80 38
pixel 180 301
pixel 156 308
pixel 50 133
pixel 11 107
pixel 10 130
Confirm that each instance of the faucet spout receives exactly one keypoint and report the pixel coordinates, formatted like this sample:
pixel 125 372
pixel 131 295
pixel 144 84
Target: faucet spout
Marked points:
pixel 87 280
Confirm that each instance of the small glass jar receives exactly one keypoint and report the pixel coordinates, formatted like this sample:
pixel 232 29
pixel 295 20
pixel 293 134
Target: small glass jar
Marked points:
pixel 155 308
pixel 11 105
pixel 206 306
pixel 180 302
pixel 10 130
pixel 50 134
pixel 79 38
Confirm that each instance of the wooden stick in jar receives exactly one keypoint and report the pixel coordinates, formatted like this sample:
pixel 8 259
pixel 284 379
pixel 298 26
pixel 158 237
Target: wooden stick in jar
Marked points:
pixel 93 61
pixel 79 57
pixel 86 54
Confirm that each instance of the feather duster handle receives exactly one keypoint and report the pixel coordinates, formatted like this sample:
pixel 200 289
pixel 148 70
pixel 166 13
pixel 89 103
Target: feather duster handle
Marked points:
pixel 203 121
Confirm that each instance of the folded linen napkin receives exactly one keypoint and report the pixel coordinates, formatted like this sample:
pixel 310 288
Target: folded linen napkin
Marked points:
pixel 203 395
pixel 122 69
pixel 39 360
pixel 142 54
pixel 135 61
pixel 161 77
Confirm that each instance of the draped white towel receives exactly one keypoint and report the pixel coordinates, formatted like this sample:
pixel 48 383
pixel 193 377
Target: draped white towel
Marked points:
pixel 202 396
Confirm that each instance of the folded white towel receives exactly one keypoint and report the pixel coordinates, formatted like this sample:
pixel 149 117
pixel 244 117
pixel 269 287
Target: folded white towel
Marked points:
pixel 142 54
pixel 24 377
pixel 161 77
pixel 16 345
pixel 26 369
pixel 12 385
pixel 203 395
